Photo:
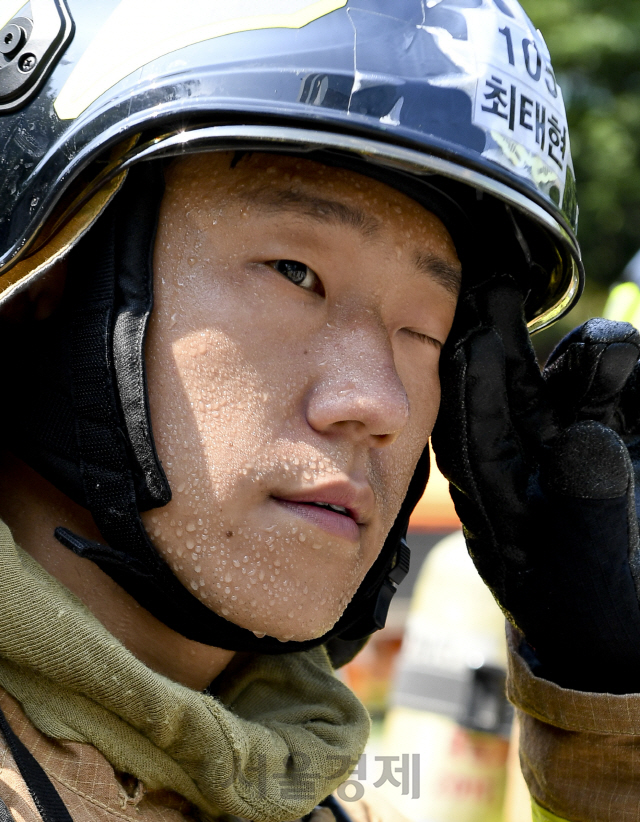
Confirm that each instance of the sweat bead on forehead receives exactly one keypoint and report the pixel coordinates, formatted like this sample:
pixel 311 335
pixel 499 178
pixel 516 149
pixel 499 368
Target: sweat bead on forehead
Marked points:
pixel 263 181
pixel 262 390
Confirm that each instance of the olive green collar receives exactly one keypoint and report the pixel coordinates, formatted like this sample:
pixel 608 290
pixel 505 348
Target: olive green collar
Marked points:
pixel 280 735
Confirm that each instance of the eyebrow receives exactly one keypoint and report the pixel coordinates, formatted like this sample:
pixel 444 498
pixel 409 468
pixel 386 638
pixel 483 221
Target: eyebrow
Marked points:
pixel 447 274
pixel 317 208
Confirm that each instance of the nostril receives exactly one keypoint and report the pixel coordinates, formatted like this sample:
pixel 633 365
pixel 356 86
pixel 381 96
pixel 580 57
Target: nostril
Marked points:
pixel 382 440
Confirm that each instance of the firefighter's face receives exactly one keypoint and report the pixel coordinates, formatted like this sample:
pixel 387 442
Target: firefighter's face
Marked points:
pixel 293 379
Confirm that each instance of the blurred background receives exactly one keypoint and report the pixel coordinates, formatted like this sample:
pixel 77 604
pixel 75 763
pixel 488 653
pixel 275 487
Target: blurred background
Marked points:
pixel 444 746
pixel 595 49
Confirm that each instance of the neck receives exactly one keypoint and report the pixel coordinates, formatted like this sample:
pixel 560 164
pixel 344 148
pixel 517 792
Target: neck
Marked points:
pixel 33 508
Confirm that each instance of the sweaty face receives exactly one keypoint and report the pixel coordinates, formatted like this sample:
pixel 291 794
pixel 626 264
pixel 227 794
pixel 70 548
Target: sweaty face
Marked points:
pixel 293 379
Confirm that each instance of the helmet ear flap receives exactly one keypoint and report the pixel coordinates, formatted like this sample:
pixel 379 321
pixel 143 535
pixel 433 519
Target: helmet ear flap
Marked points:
pixel 138 212
pixel 342 651
pixel 503 241
pixel 98 330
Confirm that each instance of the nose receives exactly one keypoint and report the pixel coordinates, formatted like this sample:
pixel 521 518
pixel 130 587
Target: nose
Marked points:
pixel 358 393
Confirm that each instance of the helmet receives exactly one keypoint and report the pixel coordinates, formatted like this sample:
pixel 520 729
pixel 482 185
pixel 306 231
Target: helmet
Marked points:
pixel 453 102
pixel 463 89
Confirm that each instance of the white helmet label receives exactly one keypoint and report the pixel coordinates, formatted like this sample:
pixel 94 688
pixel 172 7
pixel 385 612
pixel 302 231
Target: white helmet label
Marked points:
pixel 515 95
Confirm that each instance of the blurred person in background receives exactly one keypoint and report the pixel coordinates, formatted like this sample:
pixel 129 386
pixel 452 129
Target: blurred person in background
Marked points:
pixel 623 302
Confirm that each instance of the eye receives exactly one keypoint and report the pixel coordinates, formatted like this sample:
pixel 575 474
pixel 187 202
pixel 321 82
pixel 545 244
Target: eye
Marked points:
pixel 423 338
pixel 298 273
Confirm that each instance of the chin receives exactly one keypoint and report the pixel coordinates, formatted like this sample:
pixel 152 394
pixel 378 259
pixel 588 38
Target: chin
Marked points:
pixel 285 624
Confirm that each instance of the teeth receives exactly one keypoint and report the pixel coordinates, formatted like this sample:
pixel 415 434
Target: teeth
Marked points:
pixel 337 508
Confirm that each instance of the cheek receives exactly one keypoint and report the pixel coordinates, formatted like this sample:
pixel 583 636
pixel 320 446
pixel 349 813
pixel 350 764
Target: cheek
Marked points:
pixel 422 385
pixel 393 467
pixel 207 405
pixel 424 404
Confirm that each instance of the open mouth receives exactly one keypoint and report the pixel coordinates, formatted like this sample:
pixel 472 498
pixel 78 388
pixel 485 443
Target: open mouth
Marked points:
pixel 337 508
pixel 335 519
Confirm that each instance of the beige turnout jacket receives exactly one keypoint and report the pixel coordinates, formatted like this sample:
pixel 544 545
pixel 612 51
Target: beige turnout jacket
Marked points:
pixel 86 782
pixel 580 752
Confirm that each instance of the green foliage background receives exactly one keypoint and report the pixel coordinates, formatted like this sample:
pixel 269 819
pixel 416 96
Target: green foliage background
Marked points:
pixel 595 51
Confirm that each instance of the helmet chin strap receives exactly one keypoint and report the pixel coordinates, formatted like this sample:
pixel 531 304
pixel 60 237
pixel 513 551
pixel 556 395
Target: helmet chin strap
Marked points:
pixel 87 429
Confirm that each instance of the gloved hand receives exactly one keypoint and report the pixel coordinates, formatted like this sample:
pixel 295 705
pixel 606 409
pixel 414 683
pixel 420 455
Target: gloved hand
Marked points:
pixel 543 470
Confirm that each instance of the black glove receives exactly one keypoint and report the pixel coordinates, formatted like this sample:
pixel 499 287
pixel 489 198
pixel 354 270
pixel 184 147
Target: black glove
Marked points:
pixel 543 469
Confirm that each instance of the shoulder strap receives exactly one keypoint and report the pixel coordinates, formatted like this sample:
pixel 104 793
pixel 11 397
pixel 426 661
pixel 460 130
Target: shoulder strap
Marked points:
pixel 47 799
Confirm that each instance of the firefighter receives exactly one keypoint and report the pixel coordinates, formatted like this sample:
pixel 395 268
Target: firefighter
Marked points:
pixel 232 241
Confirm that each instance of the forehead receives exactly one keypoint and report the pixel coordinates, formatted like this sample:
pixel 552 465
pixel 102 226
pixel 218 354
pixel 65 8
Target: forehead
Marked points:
pixel 271 183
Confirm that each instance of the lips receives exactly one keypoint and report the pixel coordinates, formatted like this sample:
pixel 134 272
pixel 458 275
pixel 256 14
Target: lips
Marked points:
pixel 344 497
pixel 339 508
